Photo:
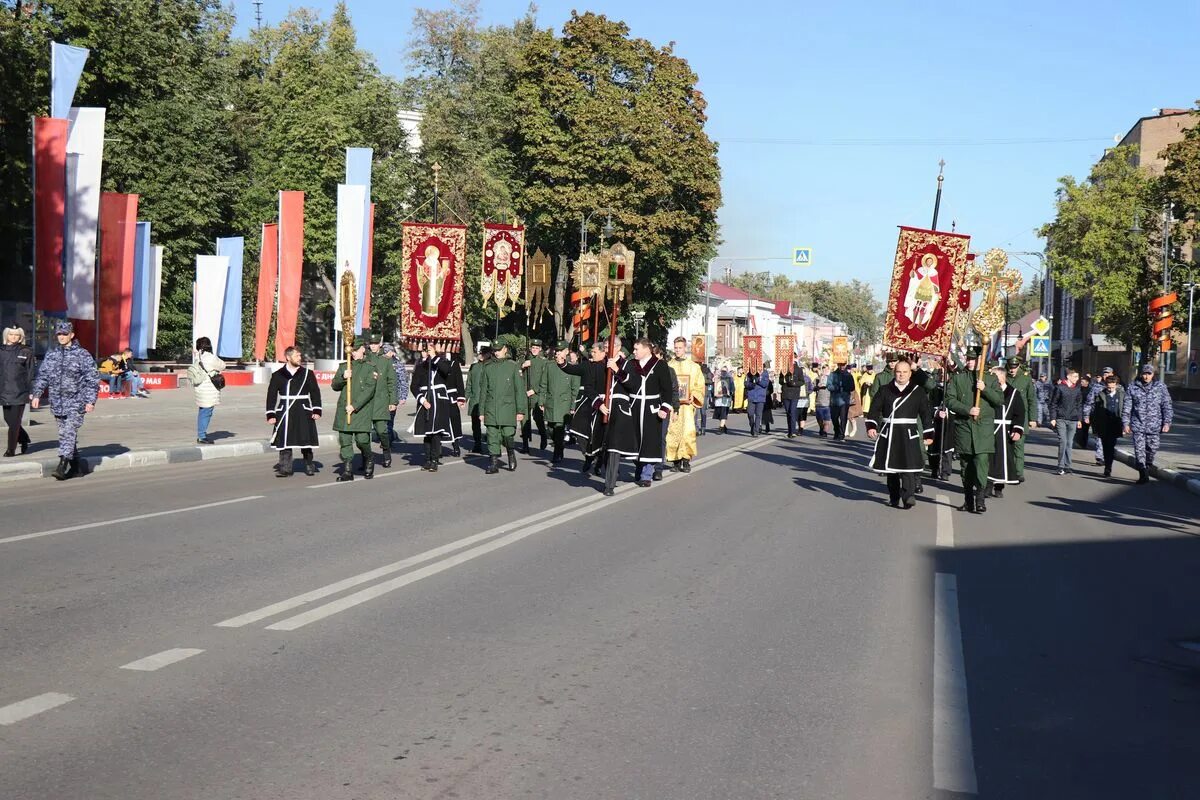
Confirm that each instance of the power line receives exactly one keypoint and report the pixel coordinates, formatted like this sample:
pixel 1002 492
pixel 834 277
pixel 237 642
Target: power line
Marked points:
pixel 909 142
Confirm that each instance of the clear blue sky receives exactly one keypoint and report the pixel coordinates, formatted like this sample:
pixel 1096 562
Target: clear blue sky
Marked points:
pixel 868 96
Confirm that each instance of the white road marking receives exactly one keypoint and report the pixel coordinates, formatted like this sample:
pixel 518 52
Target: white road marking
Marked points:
pixel 389 474
pixel 953 758
pixel 32 707
pixel 88 525
pixel 525 527
pixel 429 555
pixel 945 522
pixel 164 659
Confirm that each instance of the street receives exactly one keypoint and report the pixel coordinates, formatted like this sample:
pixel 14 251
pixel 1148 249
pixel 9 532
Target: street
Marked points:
pixel 765 627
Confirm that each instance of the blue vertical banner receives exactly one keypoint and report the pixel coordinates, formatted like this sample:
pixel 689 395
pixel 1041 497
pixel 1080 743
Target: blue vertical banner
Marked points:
pixel 230 344
pixel 358 173
pixel 66 67
pixel 143 295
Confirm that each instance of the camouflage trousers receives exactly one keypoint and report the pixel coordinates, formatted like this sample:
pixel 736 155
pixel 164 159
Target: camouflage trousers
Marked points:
pixel 1145 447
pixel 68 432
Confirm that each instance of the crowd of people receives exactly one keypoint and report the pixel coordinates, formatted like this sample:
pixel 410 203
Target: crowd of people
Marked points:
pixel 647 407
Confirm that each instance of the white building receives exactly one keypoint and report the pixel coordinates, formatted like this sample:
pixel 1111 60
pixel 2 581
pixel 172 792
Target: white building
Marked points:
pixel 410 121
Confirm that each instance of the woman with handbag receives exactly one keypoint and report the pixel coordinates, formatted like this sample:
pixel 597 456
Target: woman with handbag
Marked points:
pixel 207 383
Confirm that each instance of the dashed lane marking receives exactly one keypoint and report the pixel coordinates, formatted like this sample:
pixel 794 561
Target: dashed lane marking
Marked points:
pixel 105 523
pixel 164 659
pixel 32 707
pixel 953 754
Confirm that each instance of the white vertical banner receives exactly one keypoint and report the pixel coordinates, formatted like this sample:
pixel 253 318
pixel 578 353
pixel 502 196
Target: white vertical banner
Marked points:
pixel 351 219
pixel 212 273
pixel 156 258
pixel 85 155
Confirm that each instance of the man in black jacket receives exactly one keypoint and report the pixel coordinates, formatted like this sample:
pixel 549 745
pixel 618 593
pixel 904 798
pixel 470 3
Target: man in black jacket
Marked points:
pixel 1066 415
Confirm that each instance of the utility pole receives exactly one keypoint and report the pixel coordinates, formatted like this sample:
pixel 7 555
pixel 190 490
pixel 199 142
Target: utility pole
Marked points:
pixel 258 13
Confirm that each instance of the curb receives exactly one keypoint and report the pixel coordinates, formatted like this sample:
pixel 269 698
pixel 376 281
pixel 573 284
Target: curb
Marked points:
pixel 146 458
pixel 1164 474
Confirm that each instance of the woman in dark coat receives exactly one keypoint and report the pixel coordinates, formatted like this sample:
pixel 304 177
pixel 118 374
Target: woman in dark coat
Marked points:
pixel 17 370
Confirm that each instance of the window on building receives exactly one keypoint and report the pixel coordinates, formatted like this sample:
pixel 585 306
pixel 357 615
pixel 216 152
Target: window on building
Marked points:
pixel 1169 360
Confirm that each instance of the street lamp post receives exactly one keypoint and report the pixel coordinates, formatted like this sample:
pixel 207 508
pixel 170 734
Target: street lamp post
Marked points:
pixel 583 233
pixel 638 316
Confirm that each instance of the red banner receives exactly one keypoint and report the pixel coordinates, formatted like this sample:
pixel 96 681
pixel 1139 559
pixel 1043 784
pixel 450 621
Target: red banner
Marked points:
pixel 268 274
pixel 927 279
pixel 291 265
pixel 431 293
pixel 49 212
pixel 118 233
pixel 503 258
pixel 752 354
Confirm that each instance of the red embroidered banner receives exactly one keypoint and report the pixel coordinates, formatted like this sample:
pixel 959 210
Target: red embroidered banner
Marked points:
pixel 268 274
pixel 503 259
pixel 291 265
pixel 752 354
pixel 785 349
pixel 118 234
pixel 431 293
pixel 927 278
pixel 49 212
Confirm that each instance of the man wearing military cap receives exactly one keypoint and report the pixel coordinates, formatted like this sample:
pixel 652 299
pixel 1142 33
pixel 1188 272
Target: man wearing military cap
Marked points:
pixel 974 428
pixel 1019 379
pixel 503 401
pixel 357 382
pixel 534 369
pixel 384 402
pixel 557 394
pixel 69 372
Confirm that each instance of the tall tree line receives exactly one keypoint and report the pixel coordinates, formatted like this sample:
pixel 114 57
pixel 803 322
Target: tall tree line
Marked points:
pixel 527 123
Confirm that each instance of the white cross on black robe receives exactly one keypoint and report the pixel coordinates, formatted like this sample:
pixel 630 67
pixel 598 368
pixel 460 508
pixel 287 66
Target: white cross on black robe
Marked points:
pixel 292 399
pixel 1010 419
pixel 639 393
pixel 903 420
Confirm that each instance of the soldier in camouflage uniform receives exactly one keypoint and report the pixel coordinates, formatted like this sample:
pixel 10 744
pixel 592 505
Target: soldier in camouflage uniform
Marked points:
pixel 974 428
pixel 1020 380
pixel 383 404
pixel 1147 414
pixel 69 372
pixel 352 419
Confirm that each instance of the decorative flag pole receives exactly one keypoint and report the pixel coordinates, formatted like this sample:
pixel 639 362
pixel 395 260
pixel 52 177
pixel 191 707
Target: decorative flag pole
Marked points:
pixel 988 316
pixel 618 282
pixel 348 299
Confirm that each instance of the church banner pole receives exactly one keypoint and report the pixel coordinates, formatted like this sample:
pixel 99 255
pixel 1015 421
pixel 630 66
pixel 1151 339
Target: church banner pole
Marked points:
pixel 612 344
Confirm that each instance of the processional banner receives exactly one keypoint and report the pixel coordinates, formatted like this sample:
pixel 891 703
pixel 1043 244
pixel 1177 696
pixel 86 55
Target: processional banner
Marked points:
pixel 927 278
pixel 752 355
pixel 503 263
pixel 431 294
pixel 785 350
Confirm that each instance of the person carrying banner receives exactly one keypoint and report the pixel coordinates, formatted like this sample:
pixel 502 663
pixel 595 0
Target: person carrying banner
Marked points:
pixel 681 431
pixel 974 428
pixel 356 381
pixel 293 408
pixel 1019 379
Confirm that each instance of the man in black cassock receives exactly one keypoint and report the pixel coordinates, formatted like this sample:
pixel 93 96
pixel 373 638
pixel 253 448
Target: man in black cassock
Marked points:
pixel 1010 427
pixel 293 407
pixel 641 403
pixel 431 388
pixel 587 426
pixel 900 423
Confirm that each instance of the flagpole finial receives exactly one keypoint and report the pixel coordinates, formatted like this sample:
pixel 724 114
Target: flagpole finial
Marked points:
pixel 941 168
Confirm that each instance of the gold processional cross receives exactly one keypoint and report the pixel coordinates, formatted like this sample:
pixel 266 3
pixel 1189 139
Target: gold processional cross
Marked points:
pixel 988 316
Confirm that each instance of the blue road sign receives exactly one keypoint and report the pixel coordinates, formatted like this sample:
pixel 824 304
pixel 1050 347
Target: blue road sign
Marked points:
pixel 1039 346
pixel 802 257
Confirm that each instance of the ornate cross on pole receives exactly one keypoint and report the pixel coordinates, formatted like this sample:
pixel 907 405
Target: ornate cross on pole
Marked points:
pixel 988 316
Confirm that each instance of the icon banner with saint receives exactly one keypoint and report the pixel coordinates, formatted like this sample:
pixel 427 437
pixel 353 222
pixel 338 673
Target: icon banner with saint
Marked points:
pixel 431 294
pixel 503 260
pixel 927 278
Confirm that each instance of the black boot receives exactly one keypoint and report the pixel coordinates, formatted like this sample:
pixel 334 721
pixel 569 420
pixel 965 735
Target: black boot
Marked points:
pixel 368 465
pixel 1143 475
pixel 387 455
pixel 587 465
pixel 493 465
pixel 284 468
pixel 968 500
pixel 523 449
pixel 998 490
pixel 542 443
pixel 980 503
pixel 63 470
pixel 347 473
pixel 919 488
pixel 429 465
pixel 310 468
pixel 457 451
pixel 685 465
pixel 512 459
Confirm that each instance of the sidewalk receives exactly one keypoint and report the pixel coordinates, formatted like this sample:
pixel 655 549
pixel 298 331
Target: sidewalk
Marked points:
pixel 162 430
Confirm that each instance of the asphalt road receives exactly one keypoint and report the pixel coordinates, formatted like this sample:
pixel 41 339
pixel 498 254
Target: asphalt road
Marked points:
pixel 765 627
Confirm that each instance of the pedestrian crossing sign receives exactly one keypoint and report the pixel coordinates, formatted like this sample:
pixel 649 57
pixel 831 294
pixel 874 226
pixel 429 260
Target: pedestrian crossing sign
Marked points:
pixel 802 257
pixel 1039 346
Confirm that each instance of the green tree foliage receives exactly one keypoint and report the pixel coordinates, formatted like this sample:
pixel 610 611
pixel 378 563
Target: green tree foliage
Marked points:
pixel 853 304
pixel 1095 252
pixel 612 121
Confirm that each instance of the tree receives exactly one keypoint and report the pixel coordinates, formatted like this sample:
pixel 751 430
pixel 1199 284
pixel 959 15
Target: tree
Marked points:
pixel 1095 252
pixel 614 122
pixel 852 304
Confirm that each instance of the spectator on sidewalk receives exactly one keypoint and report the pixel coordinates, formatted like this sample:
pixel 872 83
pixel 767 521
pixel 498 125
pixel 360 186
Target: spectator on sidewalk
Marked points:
pixel 1098 386
pixel 118 370
pixel 208 395
pixel 1087 391
pixel 1147 414
pixel 1066 417
pixel 69 372
pixel 18 369
pixel 1104 413
pixel 1043 392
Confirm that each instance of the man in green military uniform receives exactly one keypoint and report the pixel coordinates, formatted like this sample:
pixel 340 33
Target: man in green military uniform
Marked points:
pixel 483 355
pixel 1020 380
pixel 974 427
pixel 502 405
pixel 557 394
pixel 352 419
pixel 534 369
pixel 384 401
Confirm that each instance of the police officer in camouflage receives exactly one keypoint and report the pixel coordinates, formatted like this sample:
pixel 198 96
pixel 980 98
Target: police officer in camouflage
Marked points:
pixel 1147 414
pixel 383 404
pixel 69 372
pixel 974 428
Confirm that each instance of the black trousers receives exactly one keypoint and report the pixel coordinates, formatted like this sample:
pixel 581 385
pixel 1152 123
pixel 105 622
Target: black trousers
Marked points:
pixel 1109 444
pixel 901 486
pixel 537 416
pixel 841 415
pixel 476 428
pixel 287 455
pixel 16 433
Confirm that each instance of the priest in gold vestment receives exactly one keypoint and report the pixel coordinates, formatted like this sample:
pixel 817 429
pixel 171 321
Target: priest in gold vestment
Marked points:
pixel 681 433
